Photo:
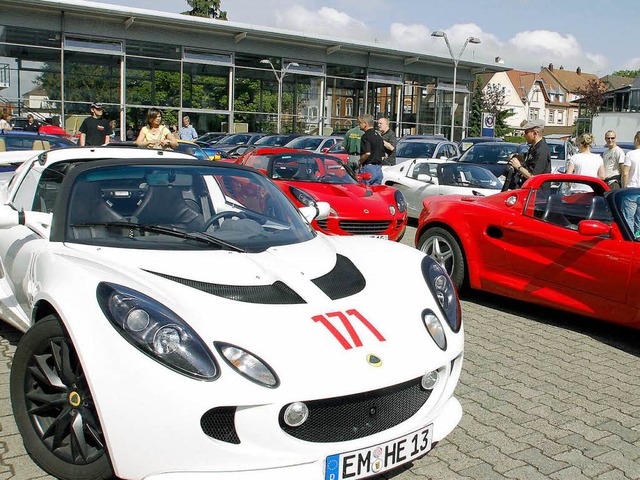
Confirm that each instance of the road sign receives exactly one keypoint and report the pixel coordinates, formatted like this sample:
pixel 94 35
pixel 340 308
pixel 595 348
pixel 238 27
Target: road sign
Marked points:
pixel 488 124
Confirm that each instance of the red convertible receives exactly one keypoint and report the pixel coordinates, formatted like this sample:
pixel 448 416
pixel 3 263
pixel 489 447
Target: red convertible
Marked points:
pixel 356 209
pixel 564 241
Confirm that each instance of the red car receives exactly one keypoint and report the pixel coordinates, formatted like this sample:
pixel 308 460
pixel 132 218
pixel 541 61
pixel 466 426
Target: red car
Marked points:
pixel 356 209
pixel 563 241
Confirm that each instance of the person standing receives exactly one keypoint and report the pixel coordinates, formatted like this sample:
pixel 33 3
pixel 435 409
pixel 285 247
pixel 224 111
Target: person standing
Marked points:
pixel 538 157
pixel 31 125
pixel 389 140
pixel 631 178
pixel 5 118
pixel 154 134
pixel 351 144
pixel 371 150
pixel 187 132
pixel 613 158
pixel 95 130
pixel 585 163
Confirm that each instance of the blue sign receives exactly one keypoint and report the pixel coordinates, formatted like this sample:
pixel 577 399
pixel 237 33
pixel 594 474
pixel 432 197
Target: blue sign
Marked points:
pixel 488 124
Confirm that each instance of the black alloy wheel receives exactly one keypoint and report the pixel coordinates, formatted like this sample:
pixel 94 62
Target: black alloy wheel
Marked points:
pixel 54 408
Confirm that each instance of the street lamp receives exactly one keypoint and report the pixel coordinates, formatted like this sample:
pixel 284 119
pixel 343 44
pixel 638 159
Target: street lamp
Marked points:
pixel 454 105
pixel 279 79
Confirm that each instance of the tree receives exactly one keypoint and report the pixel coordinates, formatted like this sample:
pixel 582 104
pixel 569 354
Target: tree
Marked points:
pixel 475 114
pixel 592 97
pixel 494 101
pixel 627 73
pixel 206 9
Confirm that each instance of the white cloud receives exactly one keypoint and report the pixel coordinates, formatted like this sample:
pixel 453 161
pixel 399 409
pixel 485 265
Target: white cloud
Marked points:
pixel 632 64
pixel 325 21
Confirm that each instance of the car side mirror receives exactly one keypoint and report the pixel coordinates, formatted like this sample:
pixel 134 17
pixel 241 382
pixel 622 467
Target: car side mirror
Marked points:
pixel 319 211
pixel 593 228
pixel 38 222
pixel 325 150
pixel 425 177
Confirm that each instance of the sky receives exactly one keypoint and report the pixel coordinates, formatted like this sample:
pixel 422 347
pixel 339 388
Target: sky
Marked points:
pixel 598 37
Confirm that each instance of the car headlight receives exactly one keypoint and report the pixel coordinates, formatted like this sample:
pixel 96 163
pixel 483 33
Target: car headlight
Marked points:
pixel 434 327
pixel 303 197
pixel 156 331
pixel 248 365
pixel 400 201
pixel 444 291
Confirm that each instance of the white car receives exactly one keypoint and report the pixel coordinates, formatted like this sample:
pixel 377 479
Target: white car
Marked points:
pixel 183 321
pixel 422 178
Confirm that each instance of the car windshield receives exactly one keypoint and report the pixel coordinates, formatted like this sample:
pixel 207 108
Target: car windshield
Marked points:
pixel 416 150
pixel 310 168
pixel 181 207
pixel 457 174
pixel 272 140
pixel 557 150
pixel 305 143
pixel 236 139
pixel 489 154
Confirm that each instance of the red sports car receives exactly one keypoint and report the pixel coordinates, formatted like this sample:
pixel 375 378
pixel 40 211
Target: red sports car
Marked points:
pixel 356 209
pixel 564 241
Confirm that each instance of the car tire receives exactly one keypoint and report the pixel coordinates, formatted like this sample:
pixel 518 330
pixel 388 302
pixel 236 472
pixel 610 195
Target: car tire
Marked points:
pixel 445 249
pixel 53 406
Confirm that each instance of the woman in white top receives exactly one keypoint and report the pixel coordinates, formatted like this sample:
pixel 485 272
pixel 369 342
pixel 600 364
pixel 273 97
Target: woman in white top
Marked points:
pixel 631 178
pixel 586 163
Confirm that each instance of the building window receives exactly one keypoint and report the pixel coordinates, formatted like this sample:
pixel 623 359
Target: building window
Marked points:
pixel 338 106
pixel 551 119
pixel 560 117
pixel 534 114
pixel 348 108
pixel 536 95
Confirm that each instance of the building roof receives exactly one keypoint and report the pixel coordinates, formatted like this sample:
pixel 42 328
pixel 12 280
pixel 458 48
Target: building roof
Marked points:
pixel 614 82
pixel 569 80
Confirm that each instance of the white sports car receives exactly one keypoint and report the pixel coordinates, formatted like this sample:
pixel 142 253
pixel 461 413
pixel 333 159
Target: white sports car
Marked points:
pixel 183 321
pixel 422 178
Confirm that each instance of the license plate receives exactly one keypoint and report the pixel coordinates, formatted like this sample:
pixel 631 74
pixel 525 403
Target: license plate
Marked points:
pixel 378 458
pixel 383 237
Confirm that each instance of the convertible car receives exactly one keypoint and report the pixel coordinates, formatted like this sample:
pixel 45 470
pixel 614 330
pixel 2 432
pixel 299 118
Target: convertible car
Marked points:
pixel 356 209
pixel 422 178
pixel 184 321
pixel 564 241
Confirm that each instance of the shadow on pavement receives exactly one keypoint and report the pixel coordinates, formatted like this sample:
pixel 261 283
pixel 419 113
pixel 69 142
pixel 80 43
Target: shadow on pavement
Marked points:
pixel 617 336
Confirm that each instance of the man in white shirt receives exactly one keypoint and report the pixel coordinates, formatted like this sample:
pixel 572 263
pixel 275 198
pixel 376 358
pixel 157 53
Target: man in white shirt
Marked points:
pixel 613 158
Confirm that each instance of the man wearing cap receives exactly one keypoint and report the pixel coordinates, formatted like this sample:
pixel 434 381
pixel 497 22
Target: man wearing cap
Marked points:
pixel 538 158
pixel 95 130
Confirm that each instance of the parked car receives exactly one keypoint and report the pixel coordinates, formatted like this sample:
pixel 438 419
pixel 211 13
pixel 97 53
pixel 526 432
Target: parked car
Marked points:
pixel 277 139
pixel 210 138
pixel 21 140
pixel 173 329
pixel 437 136
pixel 572 250
pixel 314 143
pixel 561 151
pixel 425 148
pixel 468 142
pixel 339 151
pixel 493 156
pixel 356 209
pixel 422 178
pixel 257 156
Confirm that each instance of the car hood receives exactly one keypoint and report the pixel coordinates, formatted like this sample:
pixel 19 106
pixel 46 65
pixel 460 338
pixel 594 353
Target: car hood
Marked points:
pixel 294 339
pixel 376 199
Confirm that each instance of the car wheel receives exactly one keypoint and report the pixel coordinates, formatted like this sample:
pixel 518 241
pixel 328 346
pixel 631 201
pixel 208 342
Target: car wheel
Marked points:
pixel 53 406
pixel 444 248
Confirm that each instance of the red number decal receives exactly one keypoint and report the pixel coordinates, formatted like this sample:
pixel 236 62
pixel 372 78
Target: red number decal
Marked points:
pixel 348 326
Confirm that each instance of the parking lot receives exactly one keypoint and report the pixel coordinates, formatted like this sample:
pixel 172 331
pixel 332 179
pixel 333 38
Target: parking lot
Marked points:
pixel 546 395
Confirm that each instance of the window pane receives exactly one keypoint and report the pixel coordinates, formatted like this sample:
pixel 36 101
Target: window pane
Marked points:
pixel 91 77
pixel 153 82
pixel 205 86
pixel 27 36
pixel 156 50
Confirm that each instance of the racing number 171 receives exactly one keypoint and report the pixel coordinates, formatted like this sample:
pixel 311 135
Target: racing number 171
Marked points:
pixel 344 318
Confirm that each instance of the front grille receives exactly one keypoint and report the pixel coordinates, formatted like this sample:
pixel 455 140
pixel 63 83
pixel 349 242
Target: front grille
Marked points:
pixel 361 227
pixel 355 416
pixel 219 423
pixel 323 224
pixel 342 281
pixel 277 293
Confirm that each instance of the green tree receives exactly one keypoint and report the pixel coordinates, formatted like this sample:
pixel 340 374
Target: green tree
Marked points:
pixel 475 114
pixel 206 9
pixel 627 73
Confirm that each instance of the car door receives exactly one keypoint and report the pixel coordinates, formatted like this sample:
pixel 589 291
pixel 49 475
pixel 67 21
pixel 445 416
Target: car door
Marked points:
pixel 548 252
pixel 414 189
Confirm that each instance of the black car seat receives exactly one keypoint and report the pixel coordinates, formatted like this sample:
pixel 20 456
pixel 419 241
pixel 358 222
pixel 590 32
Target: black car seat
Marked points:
pixel 554 211
pixel 599 210
pixel 165 205
pixel 89 208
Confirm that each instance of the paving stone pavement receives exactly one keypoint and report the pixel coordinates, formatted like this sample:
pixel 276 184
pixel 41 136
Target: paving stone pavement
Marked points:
pixel 546 395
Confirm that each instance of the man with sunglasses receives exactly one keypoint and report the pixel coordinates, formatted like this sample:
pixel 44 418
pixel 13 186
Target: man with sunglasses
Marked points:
pixel 613 158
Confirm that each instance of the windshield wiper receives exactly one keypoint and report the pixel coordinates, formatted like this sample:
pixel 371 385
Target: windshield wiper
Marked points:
pixel 197 236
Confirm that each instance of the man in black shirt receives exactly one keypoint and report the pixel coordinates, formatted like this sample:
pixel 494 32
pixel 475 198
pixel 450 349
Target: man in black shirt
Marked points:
pixel 371 150
pixel 95 130
pixel 31 125
pixel 538 158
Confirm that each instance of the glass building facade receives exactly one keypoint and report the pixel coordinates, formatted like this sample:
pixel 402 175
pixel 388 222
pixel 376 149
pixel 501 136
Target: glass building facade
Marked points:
pixel 56 59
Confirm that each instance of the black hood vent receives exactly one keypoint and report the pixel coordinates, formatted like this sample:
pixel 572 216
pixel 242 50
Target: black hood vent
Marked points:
pixel 343 281
pixel 276 294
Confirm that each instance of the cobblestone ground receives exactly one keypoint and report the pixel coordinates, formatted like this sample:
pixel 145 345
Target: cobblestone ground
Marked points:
pixel 545 395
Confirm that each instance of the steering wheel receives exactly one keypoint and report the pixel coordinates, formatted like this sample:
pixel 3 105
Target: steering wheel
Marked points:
pixel 225 214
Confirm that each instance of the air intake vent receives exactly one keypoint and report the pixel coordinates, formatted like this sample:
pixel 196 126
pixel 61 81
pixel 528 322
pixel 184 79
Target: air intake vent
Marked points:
pixel 219 423
pixel 343 281
pixel 276 294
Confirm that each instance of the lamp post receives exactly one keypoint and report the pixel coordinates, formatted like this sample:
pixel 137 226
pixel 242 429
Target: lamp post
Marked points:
pixel 279 78
pixel 456 60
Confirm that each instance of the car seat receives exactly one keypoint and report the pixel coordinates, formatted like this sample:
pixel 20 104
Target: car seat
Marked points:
pixel 89 207
pixel 599 210
pixel 554 211
pixel 165 205
pixel 41 145
pixel 3 147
